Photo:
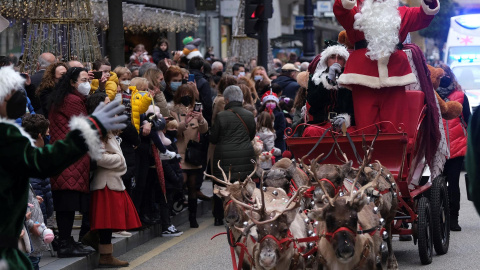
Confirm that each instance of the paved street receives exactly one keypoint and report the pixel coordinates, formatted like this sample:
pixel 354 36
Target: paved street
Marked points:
pixel 195 250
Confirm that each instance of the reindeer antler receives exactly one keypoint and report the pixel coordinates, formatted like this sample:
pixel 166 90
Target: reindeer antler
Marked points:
pixel 339 149
pixel 217 180
pixel 314 173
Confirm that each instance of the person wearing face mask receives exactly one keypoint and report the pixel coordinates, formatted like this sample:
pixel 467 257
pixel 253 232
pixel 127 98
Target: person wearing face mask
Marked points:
pixel 190 125
pixel 217 72
pixel 238 70
pixel 173 79
pixel 52 75
pixel 270 104
pixel 259 75
pixel 156 82
pixel 456 133
pixel 20 159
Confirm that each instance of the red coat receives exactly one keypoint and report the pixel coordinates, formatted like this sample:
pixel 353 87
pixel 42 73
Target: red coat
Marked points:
pixel 393 71
pixel 76 176
pixel 456 129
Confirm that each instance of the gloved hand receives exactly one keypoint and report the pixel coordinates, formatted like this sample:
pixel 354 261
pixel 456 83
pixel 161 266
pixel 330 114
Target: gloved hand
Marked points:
pixel 106 115
pixel 337 122
pixel 333 70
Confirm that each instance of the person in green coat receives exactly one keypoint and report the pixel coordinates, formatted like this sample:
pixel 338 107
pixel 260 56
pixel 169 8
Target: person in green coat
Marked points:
pixel 232 133
pixel 472 159
pixel 20 159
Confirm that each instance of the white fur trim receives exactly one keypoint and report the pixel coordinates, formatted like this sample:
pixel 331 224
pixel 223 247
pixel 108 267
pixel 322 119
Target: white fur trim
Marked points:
pixel 335 49
pixel 22 131
pixel 430 11
pixel 91 136
pixel 194 54
pixel 349 4
pixel 9 80
pixel 270 98
pixel 374 82
pixel 347 117
pixel 326 84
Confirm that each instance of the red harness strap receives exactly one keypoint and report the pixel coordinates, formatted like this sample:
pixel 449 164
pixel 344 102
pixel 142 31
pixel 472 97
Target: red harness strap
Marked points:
pixel 330 182
pixel 287 240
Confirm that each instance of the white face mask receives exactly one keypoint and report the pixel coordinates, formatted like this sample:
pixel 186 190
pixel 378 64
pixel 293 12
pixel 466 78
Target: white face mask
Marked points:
pixel 84 88
pixel 258 78
pixel 241 74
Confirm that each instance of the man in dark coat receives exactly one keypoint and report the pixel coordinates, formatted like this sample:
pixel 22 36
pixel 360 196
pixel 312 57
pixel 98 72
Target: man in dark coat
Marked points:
pixel 44 60
pixel 232 133
pixel 288 80
pixel 195 66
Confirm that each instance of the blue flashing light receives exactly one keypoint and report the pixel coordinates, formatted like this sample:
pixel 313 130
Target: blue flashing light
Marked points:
pixel 471 21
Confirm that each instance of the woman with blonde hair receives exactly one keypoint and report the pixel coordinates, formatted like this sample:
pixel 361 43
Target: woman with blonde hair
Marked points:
pixel 156 82
pixel 259 74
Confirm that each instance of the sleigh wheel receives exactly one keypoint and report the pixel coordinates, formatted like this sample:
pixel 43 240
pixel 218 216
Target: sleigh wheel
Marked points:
pixel 440 215
pixel 425 243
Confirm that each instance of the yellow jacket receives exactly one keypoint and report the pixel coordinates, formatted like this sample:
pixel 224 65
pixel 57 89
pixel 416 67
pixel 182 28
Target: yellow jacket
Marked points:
pixel 139 103
pixel 110 86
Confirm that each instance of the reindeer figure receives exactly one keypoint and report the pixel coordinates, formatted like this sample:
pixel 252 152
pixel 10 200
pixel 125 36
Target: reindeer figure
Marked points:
pixel 284 173
pixel 278 223
pixel 350 237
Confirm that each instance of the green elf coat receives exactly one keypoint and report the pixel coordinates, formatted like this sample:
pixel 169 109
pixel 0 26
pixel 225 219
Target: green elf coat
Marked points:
pixel 19 160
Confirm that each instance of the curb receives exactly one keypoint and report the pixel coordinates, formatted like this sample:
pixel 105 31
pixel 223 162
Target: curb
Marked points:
pixel 123 245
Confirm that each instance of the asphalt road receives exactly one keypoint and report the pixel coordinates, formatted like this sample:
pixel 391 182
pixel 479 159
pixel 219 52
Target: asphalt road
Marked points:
pixel 195 250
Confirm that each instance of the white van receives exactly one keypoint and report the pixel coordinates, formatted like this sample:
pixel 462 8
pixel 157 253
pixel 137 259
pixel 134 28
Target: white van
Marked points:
pixel 462 54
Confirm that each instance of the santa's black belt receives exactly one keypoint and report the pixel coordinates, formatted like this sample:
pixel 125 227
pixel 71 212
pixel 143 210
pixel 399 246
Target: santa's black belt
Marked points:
pixel 362 44
pixel 8 241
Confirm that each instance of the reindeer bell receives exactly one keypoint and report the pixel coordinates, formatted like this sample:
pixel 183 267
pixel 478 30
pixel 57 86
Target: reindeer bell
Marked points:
pixel 340 194
pixel 275 192
pixel 378 259
pixel 375 210
pixel 384 235
pixel 369 199
pixel 315 223
pixel 312 203
pixel 381 220
pixel 264 189
pixel 388 176
pixel 311 245
pixel 307 220
pixel 394 185
pixel 370 165
pixel 245 223
pixel 383 247
pixel 314 234
pixel 310 257
pixel 310 232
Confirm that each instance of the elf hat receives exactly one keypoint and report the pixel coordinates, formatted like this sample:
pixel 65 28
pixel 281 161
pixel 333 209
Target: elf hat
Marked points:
pixel 269 96
pixel 332 49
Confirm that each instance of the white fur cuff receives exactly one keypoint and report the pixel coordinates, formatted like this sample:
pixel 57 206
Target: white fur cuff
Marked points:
pixel 325 83
pixel 430 11
pixel 91 136
pixel 349 4
pixel 347 119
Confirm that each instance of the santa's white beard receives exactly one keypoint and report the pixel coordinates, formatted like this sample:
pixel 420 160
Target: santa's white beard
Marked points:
pixel 380 22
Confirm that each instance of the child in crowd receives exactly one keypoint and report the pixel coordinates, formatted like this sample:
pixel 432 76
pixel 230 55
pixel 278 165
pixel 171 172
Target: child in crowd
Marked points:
pixel 111 78
pixel 160 51
pixel 156 135
pixel 270 104
pixel 110 206
pixel 140 56
pixel 37 126
pixel 266 133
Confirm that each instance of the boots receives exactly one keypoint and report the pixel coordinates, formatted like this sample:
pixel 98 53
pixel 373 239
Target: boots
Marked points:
pixel 192 215
pixel 69 248
pixel 454 222
pixel 91 239
pixel 106 258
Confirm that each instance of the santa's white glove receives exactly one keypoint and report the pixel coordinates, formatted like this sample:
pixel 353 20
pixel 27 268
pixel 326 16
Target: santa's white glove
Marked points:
pixel 107 115
pixel 333 70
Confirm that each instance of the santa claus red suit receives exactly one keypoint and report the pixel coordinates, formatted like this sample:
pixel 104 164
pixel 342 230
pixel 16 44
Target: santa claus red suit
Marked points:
pixel 378 70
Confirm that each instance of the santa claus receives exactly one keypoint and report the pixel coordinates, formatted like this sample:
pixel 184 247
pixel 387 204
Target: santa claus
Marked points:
pixel 378 70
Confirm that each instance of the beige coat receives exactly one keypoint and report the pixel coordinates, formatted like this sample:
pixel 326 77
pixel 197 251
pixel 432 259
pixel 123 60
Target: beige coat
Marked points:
pixel 161 103
pixel 186 133
pixel 110 168
pixel 218 106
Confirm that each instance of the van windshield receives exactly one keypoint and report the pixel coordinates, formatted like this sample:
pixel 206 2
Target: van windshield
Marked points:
pixel 463 53
pixel 468 76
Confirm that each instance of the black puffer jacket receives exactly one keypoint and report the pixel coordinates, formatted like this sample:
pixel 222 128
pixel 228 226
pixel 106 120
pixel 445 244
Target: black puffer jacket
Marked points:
pixel 289 86
pixel 130 140
pixel 205 93
pixel 43 189
pixel 233 142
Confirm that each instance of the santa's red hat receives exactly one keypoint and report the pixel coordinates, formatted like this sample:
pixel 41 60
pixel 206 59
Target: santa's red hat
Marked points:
pixel 269 96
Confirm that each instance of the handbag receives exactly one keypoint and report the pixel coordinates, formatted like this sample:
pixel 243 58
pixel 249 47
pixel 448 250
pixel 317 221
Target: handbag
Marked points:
pixel 194 153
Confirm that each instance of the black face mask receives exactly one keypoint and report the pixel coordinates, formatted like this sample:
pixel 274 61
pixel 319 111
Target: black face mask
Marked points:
pixel 186 100
pixel 16 105
pixel 171 134
pixel 219 74
pixel 445 81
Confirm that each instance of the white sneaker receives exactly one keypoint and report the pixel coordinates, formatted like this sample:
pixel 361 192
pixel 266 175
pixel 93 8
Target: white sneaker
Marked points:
pixel 121 234
pixel 171 232
pixel 167 155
